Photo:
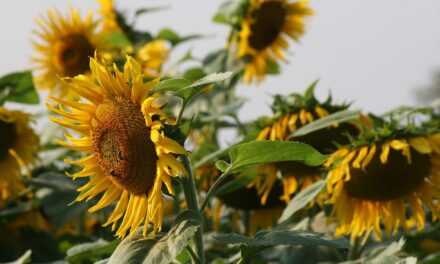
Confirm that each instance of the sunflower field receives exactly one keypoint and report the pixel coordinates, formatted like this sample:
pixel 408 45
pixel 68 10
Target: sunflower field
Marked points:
pixel 126 160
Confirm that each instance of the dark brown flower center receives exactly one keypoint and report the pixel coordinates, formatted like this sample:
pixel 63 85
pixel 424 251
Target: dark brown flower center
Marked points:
pixel 268 23
pixel 7 138
pixel 326 140
pixel 122 145
pixel 395 179
pixel 72 55
pixel 248 198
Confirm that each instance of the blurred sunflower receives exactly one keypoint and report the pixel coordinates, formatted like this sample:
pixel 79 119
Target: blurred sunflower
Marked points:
pixel 18 143
pixel 152 56
pixel 289 116
pixel 66 43
pixel 264 32
pixel 241 200
pixel 368 185
pixel 129 156
pixel 109 16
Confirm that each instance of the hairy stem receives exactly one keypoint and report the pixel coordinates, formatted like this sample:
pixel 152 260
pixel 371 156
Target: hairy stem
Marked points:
pixel 189 189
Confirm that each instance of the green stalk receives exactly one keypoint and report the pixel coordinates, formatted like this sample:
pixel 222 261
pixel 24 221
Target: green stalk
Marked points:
pixel 189 190
pixel 212 190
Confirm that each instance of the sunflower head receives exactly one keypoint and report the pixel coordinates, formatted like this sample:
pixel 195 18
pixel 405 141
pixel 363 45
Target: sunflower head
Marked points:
pixel 263 32
pixel 63 50
pixel 290 113
pixel 129 157
pixel 152 56
pixel 18 143
pixel 109 16
pixel 371 179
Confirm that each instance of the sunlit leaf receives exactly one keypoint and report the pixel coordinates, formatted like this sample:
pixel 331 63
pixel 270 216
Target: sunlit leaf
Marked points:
pixel 18 87
pixel 265 151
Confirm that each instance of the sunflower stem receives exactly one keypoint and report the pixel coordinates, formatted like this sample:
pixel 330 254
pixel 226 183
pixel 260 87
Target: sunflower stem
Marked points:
pixel 179 117
pixel 355 249
pixel 189 190
pixel 212 190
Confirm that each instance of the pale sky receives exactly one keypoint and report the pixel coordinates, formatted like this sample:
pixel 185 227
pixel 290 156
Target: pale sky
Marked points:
pixel 374 53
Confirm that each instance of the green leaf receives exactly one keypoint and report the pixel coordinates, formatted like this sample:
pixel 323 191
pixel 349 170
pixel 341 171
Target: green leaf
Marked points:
pixel 160 248
pixel 173 37
pixel 266 239
pixel 114 40
pixel 91 252
pixel 145 10
pixel 222 165
pixel 302 199
pixel 170 85
pixel 335 118
pixel 195 88
pixel 18 87
pixel 266 151
pixel 228 13
pixel 194 74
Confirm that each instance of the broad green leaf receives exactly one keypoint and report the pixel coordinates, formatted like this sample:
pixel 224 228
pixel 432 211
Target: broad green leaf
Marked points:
pixel 115 39
pixel 17 210
pixel 194 74
pixel 173 37
pixel 266 151
pixel 195 88
pixel 228 12
pixel 302 199
pixel 170 85
pixel 266 239
pixel 91 252
pixel 24 259
pixel 18 87
pixel 335 118
pixel 160 248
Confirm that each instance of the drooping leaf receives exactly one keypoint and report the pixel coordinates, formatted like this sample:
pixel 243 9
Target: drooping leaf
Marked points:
pixel 91 252
pixel 18 87
pixel 302 199
pixel 162 248
pixel 266 151
pixel 266 239
pixel 196 87
pixel 173 37
pixel 335 118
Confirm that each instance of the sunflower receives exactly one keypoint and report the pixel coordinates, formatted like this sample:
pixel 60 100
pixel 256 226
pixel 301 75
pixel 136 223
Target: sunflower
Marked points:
pixel 18 144
pixel 152 56
pixel 293 115
pixel 368 185
pixel 66 43
pixel 129 157
pixel 264 32
pixel 109 16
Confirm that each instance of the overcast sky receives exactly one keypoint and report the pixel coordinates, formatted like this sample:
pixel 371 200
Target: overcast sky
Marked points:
pixel 374 53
